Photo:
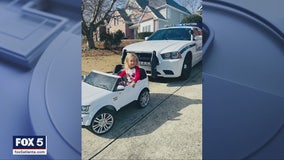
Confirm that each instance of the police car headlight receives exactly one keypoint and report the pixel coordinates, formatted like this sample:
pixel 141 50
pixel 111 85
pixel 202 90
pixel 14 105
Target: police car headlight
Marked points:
pixel 171 55
pixel 85 108
pixel 166 56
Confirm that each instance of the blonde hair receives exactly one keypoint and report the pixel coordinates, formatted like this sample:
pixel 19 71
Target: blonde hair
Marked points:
pixel 128 56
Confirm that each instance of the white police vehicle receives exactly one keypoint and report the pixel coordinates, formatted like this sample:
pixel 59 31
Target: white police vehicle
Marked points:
pixel 103 94
pixel 169 52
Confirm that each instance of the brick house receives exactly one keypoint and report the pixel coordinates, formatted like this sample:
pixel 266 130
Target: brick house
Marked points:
pixel 146 16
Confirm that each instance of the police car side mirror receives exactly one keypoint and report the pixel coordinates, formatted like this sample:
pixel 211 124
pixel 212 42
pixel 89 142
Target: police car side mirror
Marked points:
pixel 198 38
pixel 192 37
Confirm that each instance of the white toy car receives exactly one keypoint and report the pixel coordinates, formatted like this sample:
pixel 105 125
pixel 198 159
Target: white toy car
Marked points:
pixel 169 52
pixel 103 94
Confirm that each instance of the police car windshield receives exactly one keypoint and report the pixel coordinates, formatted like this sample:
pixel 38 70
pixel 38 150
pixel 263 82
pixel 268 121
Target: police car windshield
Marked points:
pixel 171 34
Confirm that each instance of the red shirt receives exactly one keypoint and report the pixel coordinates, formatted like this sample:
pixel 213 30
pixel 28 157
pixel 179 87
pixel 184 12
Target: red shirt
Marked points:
pixel 131 75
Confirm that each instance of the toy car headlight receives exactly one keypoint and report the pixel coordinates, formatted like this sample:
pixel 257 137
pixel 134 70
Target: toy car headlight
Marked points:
pixel 171 55
pixel 85 108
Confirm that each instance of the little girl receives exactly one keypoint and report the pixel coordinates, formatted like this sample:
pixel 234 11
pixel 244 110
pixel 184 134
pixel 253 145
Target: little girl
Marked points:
pixel 131 69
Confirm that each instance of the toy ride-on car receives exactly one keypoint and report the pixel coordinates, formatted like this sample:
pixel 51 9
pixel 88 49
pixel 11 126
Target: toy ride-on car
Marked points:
pixel 103 95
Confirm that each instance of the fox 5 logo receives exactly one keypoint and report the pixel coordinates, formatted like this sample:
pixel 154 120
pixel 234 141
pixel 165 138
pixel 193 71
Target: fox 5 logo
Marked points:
pixel 29 142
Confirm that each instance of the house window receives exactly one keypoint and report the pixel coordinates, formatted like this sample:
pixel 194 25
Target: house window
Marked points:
pixel 169 13
pixel 146 28
pixel 115 21
pixel 136 18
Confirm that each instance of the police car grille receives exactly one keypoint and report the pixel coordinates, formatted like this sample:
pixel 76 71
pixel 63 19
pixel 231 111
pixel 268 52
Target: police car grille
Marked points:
pixel 144 57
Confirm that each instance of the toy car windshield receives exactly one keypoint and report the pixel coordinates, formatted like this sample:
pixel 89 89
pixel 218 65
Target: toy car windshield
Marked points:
pixel 101 81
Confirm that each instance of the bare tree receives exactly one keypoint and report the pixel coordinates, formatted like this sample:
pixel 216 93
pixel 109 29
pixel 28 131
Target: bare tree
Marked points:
pixel 94 14
pixel 191 5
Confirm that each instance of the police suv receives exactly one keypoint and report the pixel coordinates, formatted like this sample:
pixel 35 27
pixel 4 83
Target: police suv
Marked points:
pixel 169 52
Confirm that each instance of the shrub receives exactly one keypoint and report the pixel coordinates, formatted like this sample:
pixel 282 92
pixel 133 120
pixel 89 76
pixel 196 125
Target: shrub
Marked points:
pixel 111 39
pixel 142 35
pixel 193 18
pixel 117 36
pixel 104 36
pixel 107 39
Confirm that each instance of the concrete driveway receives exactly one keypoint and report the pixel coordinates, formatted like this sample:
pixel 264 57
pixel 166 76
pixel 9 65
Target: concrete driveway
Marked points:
pixel 169 128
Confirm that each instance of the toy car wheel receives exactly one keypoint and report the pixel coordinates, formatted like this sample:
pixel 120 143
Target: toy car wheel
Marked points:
pixel 102 122
pixel 144 98
pixel 186 67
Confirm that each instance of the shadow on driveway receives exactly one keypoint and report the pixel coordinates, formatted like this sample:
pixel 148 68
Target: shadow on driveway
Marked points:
pixel 169 105
pixel 174 82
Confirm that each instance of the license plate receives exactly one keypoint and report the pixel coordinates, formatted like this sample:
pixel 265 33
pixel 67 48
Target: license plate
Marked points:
pixel 145 63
